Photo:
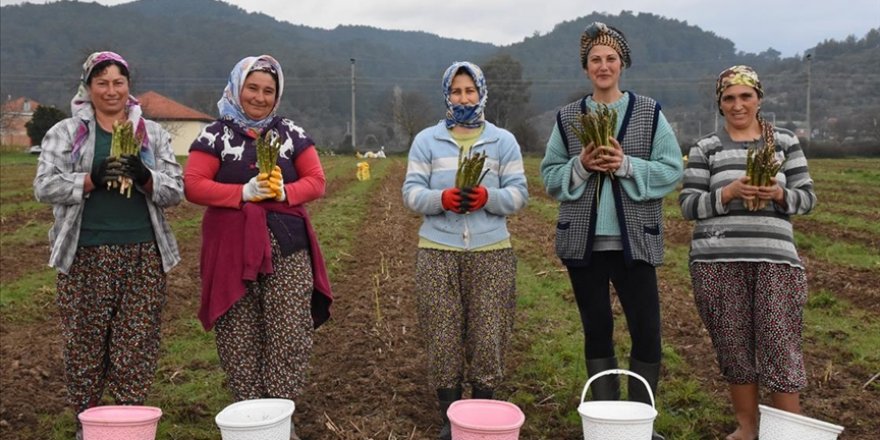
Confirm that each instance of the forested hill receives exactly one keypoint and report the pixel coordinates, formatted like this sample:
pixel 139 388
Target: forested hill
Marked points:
pixel 185 50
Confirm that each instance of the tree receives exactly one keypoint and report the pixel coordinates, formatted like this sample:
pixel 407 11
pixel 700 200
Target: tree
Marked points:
pixel 43 119
pixel 411 112
pixel 509 93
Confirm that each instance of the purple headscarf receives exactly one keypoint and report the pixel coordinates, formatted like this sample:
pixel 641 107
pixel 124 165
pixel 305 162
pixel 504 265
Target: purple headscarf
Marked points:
pixel 81 104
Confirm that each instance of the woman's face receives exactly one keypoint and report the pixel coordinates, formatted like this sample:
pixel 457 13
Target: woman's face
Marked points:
pixel 109 91
pixel 603 67
pixel 463 90
pixel 740 104
pixel 258 95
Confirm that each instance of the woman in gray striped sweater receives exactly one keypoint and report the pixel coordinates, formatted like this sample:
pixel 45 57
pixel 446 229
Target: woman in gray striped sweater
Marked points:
pixel 750 286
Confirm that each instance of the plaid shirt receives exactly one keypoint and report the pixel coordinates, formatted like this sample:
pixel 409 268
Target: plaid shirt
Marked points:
pixel 60 181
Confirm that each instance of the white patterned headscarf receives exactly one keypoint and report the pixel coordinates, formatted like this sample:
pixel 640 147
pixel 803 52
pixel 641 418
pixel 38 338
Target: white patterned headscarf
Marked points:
pixel 229 104
pixel 470 116
pixel 81 105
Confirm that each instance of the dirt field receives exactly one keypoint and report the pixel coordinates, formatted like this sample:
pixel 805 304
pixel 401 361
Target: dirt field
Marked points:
pixel 368 376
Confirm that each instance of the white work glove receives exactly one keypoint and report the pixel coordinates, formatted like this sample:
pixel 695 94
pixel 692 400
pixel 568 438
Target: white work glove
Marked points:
pixel 256 190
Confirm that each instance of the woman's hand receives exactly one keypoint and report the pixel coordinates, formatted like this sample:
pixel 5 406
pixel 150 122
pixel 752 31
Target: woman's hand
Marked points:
pixel 604 158
pixel 257 189
pixel 739 189
pixel 276 184
pixel 773 192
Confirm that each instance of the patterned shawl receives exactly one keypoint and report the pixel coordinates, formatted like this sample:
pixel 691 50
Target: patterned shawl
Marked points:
pixel 470 116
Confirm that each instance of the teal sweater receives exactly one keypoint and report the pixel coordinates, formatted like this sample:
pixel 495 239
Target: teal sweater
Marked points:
pixel 565 177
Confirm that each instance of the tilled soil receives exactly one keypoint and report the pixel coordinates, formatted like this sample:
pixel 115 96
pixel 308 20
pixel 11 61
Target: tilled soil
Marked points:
pixel 368 372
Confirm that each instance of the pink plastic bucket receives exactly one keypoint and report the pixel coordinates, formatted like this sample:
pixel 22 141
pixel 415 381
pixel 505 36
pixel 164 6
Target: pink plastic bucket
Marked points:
pixel 482 419
pixel 120 422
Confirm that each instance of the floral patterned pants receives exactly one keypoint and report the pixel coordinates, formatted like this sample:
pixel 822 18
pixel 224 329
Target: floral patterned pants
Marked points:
pixel 265 339
pixel 466 307
pixel 754 314
pixel 110 303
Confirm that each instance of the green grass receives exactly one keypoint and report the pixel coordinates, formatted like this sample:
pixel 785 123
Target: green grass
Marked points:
pixel 851 332
pixel 25 299
pixel 837 252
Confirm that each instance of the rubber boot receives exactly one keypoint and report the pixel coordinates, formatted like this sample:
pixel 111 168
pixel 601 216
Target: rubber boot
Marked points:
pixel 606 387
pixel 637 390
pixel 446 396
pixel 482 393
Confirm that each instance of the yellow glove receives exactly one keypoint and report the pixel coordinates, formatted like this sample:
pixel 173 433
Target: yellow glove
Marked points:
pixel 276 184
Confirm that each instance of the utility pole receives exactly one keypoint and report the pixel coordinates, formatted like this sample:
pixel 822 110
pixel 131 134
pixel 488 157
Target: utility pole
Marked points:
pixel 809 58
pixel 353 123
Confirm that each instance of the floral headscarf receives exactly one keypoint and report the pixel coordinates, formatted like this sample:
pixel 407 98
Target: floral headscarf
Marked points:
pixel 737 76
pixel 600 34
pixel 230 103
pixel 470 116
pixel 81 104
pixel 744 76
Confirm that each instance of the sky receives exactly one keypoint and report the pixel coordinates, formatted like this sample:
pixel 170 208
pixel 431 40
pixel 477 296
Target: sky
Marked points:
pixel 789 26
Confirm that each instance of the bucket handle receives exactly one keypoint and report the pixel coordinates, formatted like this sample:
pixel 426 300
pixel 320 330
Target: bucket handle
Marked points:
pixel 618 371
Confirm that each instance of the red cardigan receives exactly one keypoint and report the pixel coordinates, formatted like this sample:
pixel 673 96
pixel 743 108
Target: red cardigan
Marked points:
pixel 235 239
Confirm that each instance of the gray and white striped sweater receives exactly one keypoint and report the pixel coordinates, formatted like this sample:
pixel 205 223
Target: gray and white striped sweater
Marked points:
pixel 731 232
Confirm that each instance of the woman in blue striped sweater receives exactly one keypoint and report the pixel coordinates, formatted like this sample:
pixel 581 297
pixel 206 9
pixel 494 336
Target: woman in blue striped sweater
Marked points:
pixel 465 267
pixel 750 286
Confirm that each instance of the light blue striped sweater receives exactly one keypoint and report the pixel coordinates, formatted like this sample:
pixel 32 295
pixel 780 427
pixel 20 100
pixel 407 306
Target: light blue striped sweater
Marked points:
pixel 433 162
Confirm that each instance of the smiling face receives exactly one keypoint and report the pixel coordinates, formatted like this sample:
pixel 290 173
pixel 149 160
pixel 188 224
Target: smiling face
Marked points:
pixel 603 68
pixel 463 90
pixel 739 105
pixel 109 91
pixel 258 95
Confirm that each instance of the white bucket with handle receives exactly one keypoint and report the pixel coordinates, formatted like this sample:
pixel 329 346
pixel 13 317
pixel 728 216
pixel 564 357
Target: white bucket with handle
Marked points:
pixel 777 424
pixel 617 419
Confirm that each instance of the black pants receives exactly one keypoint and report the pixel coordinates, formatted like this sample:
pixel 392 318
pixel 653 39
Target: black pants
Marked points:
pixel 636 288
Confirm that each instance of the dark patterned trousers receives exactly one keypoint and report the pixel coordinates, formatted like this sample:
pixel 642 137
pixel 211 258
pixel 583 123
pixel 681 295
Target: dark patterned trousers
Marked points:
pixel 466 307
pixel 265 339
pixel 754 314
pixel 110 303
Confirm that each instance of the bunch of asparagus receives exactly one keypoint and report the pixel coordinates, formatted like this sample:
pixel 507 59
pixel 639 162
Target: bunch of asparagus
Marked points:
pixel 267 153
pixel 761 166
pixel 123 143
pixel 470 170
pixel 595 127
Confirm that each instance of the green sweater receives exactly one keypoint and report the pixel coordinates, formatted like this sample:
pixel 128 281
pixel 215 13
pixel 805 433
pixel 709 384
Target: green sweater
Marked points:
pixel 110 217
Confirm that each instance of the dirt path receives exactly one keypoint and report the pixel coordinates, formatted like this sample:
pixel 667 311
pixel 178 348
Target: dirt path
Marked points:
pixel 368 376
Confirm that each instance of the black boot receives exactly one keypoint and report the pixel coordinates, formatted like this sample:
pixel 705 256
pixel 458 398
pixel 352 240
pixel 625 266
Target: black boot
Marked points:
pixel 482 393
pixel 606 387
pixel 637 390
pixel 446 396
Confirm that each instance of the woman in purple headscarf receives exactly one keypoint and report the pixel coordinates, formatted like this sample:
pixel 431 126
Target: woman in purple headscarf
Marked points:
pixel 111 250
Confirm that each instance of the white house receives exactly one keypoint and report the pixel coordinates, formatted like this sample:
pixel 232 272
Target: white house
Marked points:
pixel 182 122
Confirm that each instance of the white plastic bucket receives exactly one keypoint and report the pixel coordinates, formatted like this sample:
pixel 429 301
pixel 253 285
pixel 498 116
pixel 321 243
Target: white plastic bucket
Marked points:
pixel 617 420
pixel 777 424
pixel 257 419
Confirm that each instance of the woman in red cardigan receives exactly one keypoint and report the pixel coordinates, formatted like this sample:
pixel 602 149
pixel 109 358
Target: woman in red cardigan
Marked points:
pixel 264 283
